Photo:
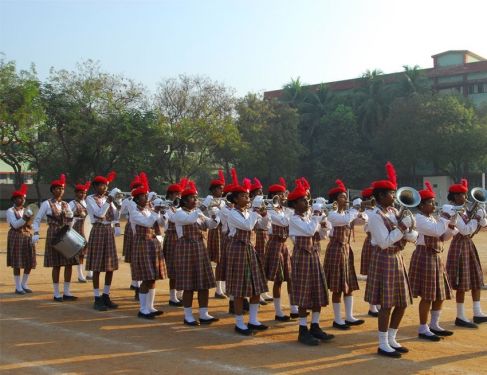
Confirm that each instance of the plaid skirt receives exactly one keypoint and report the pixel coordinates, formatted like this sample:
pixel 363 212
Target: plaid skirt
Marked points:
pixel 52 257
pixel 147 259
pixel 168 248
pixel 339 267
pixel 261 236
pixel 128 240
pixel 309 287
pixel 244 274
pixel 387 279
pixel 193 265
pixel 214 243
pixel 21 253
pixel 277 265
pixel 221 265
pixel 365 256
pixel 463 264
pixel 427 275
pixel 102 253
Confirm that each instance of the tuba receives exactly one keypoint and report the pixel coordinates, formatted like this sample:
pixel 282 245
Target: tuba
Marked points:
pixel 479 195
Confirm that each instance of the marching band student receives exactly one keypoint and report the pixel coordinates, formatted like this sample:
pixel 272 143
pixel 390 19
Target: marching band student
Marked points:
pixel 339 261
pixel 21 253
pixel 191 256
pixel 215 235
pixel 244 275
pixel 102 252
pixel 463 264
pixel 309 290
pixel 367 246
pixel 387 279
pixel 78 206
pixel 173 192
pixel 58 215
pixel 277 264
pixel 427 273
pixel 147 260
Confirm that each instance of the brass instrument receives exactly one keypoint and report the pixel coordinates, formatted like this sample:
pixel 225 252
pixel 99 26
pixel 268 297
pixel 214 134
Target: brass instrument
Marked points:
pixel 479 195
pixel 166 203
pixel 407 198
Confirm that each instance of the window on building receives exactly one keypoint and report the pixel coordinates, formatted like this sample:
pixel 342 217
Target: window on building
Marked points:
pixel 480 88
pixel 471 89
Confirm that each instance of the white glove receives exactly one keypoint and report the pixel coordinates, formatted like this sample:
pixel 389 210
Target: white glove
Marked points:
pixel 317 207
pixel 212 212
pixel 480 213
pixel 158 202
pixel 356 202
pixel 321 200
pixel 69 214
pixel 448 209
pixel 118 231
pixel 407 221
pixel 151 196
pixel 35 238
pixel 207 201
pixel 257 202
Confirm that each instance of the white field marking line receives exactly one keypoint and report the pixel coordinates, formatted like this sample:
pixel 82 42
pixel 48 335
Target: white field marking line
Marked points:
pixel 41 368
pixel 228 368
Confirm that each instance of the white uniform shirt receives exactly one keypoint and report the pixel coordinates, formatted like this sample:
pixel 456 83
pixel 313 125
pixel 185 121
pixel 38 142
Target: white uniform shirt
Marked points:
pixel 430 226
pixel 305 226
pixel 12 218
pixel 127 205
pixel 182 217
pixel 223 214
pixel 100 211
pixel 145 218
pixel 466 229
pixel 244 220
pixel 279 218
pixel 45 209
pixel 340 219
pixel 72 206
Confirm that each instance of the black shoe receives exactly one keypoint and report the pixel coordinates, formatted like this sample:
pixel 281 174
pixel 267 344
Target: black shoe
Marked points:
pixel 21 292
pixel 245 332
pixel 157 313
pixel 208 321
pixel 99 305
pixel 107 302
pixel 400 349
pixel 343 327
pixel 58 299
pixel 306 338
pixel 231 308
pixel 296 315
pixel 220 296
pixel 192 324
pixel 27 290
pixel 429 337
pixel 285 318
pixel 262 303
pixel 462 323
pixel 255 327
pixel 82 281
pixel 319 334
pixel 69 298
pixel 175 304
pixel 479 319
pixel 355 323
pixel 136 294
pixel 441 333
pixel 268 299
pixel 133 287
pixel 394 354
pixel 246 305
pixel 374 314
pixel 145 316
pixel 89 278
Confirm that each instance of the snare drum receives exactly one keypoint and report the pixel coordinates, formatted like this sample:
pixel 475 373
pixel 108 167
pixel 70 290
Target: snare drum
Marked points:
pixel 68 242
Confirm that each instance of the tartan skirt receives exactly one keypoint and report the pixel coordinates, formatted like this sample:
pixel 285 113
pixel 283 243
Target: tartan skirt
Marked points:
pixel 309 288
pixel 365 255
pixel 168 248
pixel 387 279
pixel 427 275
pixel 21 253
pixel 147 259
pixel 193 265
pixel 214 243
pixel 277 265
pixel 128 240
pixel 339 267
pixel 261 236
pixel 52 257
pixel 463 264
pixel 102 253
pixel 221 265
pixel 244 274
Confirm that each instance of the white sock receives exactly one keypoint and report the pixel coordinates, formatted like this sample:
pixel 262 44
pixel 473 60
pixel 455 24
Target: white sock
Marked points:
pixel 303 321
pixel 96 292
pixel 266 295
pixel 435 320
pixel 253 310
pixel 18 286
pixel 80 272
pixel 349 309
pixel 134 283
pixel 143 303
pixel 373 308
pixel 294 309
pixel 56 290
pixel 384 343
pixel 262 298
pixel 338 316
pixel 66 289
pixel 179 294
pixel 204 313
pixel 188 314
pixel 239 322
pixel 425 330
pixel 106 289
pixel 223 285
pixel 477 310
pixel 391 335
pixel 90 273
pixel 461 312
pixel 172 295
pixel 151 296
pixel 315 317
pixel 25 278
pixel 277 307
pixel 219 289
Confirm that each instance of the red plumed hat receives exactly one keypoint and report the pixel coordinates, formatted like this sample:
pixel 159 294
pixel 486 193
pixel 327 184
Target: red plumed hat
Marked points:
pixel 305 183
pixel 367 192
pixel 427 193
pixel 82 187
pixel 256 184
pixel 300 191
pixel 135 183
pixel 340 188
pixel 178 187
pixel 280 187
pixel 59 182
pixel 218 181
pixel 391 182
pixel 22 192
pixel 105 180
pixel 462 187
pixel 236 187
pixel 143 187
pixel 190 189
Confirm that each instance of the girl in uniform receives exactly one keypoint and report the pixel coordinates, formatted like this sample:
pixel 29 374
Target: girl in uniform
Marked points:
pixel 78 206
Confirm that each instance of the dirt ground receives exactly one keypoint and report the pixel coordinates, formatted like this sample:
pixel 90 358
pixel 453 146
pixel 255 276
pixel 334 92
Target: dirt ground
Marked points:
pixel 39 336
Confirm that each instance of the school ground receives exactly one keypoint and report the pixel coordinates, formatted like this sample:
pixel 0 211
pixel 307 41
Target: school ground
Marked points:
pixel 39 336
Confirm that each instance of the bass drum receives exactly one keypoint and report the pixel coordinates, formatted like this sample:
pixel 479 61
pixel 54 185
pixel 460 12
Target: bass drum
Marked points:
pixel 68 242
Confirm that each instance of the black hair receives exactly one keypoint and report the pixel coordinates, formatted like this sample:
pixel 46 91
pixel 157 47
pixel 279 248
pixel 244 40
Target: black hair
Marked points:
pixel 136 198
pixel 271 195
pixel 291 204
pixel 380 192
pixel 183 201
pixel 232 197
pixel 333 197
pixel 213 187
pixel 451 196
pixel 52 187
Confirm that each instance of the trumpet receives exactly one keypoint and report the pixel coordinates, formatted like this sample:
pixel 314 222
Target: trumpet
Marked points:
pixel 271 204
pixel 367 204
pixel 215 202
pixel 119 195
pixel 325 208
pixel 166 203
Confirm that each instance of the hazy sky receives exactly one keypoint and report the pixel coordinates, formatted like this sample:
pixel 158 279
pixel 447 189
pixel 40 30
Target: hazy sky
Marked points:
pixel 249 45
